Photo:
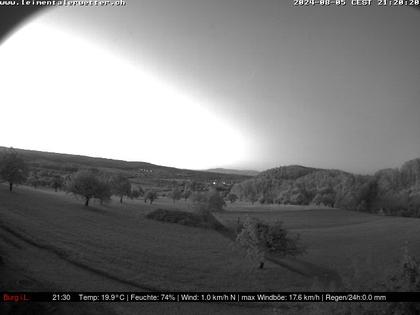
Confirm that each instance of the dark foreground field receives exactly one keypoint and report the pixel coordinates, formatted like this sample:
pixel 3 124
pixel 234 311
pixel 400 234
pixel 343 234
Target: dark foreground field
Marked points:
pixel 50 241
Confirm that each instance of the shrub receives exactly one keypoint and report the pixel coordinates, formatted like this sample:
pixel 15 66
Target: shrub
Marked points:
pixel 185 218
pixel 232 197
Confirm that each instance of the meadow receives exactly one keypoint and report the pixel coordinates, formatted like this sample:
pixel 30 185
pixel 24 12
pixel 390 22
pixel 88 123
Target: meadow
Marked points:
pixel 51 238
pixel 348 242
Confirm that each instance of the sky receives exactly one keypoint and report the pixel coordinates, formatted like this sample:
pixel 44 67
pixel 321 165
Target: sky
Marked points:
pixel 224 83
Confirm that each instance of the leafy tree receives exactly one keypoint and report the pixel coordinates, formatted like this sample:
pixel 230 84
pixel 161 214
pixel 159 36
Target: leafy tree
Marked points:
pixel 89 184
pixel 215 201
pixel 140 190
pixel 121 186
pixel 175 194
pixel 196 186
pixel 193 185
pixel 250 191
pixel 222 189
pixel 57 182
pixel 150 196
pixel 253 197
pixel 33 180
pixel 298 198
pixel 232 197
pixel 103 191
pixel 325 196
pixel 238 190
pixel 135 193
pixel 259 239
pixel 12 168
pixel 186 194
pixel 206 202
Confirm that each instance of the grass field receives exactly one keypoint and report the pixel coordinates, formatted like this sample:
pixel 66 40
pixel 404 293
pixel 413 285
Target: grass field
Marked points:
pixel 55 240
pixel 345 241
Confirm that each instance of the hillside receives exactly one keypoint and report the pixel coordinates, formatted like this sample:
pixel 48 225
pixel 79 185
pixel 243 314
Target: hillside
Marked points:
pixel 392 191
pixel 49 164
pixel 287 172
pixel 92 249
pixel 389 191
pixel 114 247
pixel 232 171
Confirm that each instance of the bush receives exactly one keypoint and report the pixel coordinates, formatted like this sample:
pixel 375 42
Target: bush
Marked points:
pixel 185 218
pixel 232 197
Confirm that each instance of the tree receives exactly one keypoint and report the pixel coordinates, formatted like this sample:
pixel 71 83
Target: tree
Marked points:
pixel 121 186
pixel 253 197
pixel 260 239
pixel 150 195
pixel 33 180
pixel 103 189
pixel 89 184
pixel 175 194
pixel 232 197
pixel 250 191
pixel 140 190
pixel 136 193
pixel 206 202
pixel 186 194
pixel 13 169
pixel 195 186
pixel 57 183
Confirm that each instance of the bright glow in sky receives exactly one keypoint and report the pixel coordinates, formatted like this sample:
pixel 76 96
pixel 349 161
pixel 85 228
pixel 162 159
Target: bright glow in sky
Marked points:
pixel 62 93
pixel 233 83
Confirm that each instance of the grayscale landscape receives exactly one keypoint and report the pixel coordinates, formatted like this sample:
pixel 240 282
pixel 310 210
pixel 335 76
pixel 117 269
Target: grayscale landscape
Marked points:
pixel 210 146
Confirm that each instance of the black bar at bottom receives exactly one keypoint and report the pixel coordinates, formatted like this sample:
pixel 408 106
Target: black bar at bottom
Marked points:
pixel 231 297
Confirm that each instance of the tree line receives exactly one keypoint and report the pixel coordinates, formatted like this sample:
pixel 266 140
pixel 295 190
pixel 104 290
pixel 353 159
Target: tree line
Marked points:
pixel 389 191
pixel 87 184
